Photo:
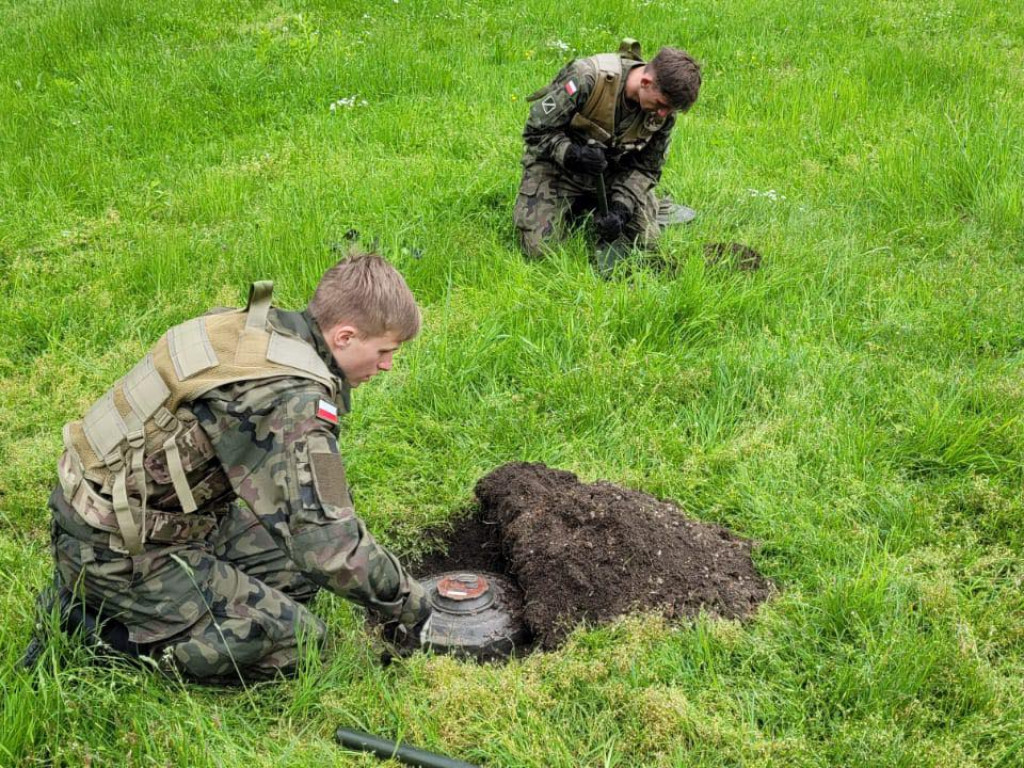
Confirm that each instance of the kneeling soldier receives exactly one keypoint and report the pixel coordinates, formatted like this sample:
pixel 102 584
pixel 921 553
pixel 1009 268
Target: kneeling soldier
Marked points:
pixel 202 500
pixel 596 139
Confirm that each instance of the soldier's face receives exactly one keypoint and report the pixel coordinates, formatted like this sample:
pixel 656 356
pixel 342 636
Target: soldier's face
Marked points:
pixel 652 100
pixel 362 357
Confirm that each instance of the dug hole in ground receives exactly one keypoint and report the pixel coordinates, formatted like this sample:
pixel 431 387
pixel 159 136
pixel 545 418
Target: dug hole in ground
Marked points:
pixel 592 552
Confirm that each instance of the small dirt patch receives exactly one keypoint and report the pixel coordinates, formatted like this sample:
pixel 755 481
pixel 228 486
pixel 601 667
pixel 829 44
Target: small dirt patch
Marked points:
pixel 735 255
pixel 591 552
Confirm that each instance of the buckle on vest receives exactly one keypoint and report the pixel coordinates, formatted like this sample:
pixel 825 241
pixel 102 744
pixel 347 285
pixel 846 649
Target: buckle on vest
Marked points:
pixel 114 461
pixel 165 420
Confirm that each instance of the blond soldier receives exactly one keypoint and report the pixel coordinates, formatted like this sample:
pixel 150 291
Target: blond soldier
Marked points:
pixel 202 500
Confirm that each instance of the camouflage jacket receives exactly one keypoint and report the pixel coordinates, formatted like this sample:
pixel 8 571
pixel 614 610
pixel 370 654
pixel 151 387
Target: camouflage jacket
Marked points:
pixel 282 460
pixel 633 171
pixel 267 443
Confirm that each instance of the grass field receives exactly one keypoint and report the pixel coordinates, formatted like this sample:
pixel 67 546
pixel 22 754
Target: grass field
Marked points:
pixel 855 406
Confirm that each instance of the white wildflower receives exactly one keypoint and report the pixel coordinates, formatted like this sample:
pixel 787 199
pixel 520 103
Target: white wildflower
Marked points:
pixel 348 101
pixel 771 194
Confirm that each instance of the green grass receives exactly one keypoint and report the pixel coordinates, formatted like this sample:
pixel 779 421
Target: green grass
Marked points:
pixel 855 407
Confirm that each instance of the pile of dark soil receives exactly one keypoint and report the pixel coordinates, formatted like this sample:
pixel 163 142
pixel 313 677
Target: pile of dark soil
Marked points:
pixel 592 552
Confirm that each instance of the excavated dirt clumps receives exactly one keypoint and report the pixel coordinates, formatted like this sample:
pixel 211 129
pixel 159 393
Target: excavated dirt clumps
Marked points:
pixel 734 255
pixel 591 552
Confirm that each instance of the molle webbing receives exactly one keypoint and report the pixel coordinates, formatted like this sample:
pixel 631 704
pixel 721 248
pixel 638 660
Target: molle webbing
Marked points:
pixel 190 349
pixel 178 477
pixel 98 512
pixel 136 416
pixel 597 117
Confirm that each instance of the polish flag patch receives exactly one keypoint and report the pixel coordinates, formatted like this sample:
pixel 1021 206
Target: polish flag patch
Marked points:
pixel 327 411
pixel 570 88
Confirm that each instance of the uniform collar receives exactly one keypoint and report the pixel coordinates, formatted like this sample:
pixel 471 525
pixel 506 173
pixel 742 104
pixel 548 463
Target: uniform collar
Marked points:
pixel 324 350
pixel 305 327
pixel 320 344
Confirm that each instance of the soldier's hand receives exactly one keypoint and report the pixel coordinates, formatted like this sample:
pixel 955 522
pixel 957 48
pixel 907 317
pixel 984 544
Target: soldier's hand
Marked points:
pixel 401 633
pixel 588 159
pixel 401 636
pixel 416 607
pixel 609 226
pixel 401 640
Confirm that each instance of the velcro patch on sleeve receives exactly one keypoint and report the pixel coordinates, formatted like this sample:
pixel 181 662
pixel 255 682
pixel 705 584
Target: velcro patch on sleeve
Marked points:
pixel 329 480
pixel 327 411
pixel 570 88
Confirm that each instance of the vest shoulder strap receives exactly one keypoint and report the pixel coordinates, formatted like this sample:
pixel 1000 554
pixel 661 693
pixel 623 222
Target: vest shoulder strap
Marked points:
pixel 190 348
pixel 297 354
pixel 600 107
pixel 260 294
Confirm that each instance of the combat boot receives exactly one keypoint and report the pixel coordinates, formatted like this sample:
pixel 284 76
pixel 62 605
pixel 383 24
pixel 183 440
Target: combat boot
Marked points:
pixel 37 643
pixel 74 618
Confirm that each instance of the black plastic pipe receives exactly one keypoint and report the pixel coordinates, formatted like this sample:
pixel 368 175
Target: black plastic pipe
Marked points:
pixel 393 750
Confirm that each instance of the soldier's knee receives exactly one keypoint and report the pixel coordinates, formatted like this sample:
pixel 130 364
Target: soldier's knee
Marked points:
pixel 268 631
pixel 233 652
pixel 531 244
pixel 536 239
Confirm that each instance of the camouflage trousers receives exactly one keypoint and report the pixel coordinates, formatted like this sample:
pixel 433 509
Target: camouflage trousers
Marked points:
pixel 223 609
pixel 551 201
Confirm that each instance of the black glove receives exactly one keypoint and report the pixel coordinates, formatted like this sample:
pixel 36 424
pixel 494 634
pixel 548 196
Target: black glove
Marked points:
pixel 609 225
pixel 588 159
pixel 402 640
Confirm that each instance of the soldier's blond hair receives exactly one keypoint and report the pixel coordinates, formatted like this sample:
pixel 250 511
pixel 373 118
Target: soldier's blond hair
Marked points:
pixel 677 76
pixel 366 292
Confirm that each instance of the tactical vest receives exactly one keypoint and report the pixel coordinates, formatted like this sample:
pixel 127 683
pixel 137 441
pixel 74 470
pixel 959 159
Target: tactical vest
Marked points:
pixel 141 427
pixel 596 118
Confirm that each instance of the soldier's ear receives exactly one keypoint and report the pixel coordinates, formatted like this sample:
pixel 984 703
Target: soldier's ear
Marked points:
pixel 342 335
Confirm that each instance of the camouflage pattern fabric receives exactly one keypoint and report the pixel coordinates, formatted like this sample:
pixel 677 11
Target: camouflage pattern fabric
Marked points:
pixel 250 629
pixel 238 597
pixel 283 461
pixel 551 201
pixel 229 603
pixel 548 192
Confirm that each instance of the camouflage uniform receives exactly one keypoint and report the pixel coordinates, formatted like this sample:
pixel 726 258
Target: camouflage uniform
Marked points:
pixel 219 592
pixel 551 196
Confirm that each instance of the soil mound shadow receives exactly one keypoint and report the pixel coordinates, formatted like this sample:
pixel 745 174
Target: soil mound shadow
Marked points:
pixel 591 552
